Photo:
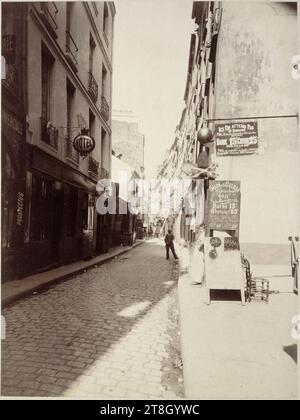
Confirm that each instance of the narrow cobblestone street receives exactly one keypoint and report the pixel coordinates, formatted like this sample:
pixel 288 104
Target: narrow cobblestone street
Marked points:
pixel 110 332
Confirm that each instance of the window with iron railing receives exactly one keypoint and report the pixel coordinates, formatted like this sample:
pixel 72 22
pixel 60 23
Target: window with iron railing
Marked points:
pixel 104 108
pixel 48 13
pixel 93 87
pixel 105 23
pixel 71 153
pixel 49 134
pixel 71 47
pixel 71 51
pixel 93 167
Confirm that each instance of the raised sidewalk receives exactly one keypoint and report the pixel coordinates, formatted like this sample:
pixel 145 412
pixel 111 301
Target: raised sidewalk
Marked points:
pixel 234 352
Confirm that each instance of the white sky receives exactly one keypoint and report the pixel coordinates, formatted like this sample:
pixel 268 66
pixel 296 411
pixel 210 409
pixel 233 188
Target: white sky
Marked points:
pixel 151 48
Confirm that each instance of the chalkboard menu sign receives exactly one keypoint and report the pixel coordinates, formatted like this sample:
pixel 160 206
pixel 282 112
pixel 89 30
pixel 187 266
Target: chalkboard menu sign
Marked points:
pixel 236 138
pixel 223 205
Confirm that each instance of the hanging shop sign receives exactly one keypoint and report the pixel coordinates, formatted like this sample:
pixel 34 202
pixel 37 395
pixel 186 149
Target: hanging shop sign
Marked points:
pixel 236 138
pixel 205 135
pixel 223 205
pixel 83 143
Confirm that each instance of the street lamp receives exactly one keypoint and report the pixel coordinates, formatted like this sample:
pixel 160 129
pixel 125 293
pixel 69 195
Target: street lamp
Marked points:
pixel 205 135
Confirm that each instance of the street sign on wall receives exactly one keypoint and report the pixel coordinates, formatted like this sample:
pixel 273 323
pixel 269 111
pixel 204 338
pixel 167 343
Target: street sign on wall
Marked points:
pixel 236 138
pixel 223 205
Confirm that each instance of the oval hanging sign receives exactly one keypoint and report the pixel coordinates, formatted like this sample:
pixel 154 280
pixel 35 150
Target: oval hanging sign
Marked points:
pixel 84 144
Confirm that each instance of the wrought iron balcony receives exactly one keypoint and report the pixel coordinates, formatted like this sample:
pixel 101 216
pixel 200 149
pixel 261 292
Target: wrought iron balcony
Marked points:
pixel 71 153
pixel 93 167
pixel 49 133
pixel 93 87
pixel 71 51
pixel 104 108
pixel 48 12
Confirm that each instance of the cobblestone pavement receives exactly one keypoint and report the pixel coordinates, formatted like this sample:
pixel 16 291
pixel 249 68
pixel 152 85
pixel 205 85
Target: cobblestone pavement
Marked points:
pixel 111 332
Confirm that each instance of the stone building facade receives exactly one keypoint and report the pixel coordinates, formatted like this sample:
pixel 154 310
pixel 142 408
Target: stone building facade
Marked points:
pixel 66 63
pixel 239 72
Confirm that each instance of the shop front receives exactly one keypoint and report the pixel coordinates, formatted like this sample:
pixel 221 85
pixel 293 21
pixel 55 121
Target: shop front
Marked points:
pixel 13 191
pixel 60 216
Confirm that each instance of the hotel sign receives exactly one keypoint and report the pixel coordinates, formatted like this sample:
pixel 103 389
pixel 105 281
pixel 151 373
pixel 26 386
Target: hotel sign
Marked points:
pixel 83 143
pixel 236 138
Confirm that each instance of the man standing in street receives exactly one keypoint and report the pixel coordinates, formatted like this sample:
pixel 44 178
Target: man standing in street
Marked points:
pixel 170 244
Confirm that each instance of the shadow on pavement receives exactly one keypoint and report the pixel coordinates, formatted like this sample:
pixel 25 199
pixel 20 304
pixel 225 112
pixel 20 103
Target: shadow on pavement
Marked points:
pixel 62 332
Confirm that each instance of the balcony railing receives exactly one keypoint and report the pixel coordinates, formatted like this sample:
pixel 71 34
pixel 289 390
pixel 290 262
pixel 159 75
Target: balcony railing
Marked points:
pixel 93 167
pixel 93 87
pixel 71 51
pixel 71 153
pixel 104 108
pixel 48 12
pixel 49 133
pixel 104 174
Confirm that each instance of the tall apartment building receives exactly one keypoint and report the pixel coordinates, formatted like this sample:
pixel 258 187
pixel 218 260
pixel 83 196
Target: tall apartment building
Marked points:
pixel 239 84
pixel 58 81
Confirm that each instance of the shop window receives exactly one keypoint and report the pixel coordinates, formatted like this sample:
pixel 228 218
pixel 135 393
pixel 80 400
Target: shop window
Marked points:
pixel 85 213
pixel 8 180
pixel 71 208
pixel 41 209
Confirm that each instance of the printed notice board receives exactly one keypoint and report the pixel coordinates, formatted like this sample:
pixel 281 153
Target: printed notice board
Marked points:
pixel 236 138
pixel 223 205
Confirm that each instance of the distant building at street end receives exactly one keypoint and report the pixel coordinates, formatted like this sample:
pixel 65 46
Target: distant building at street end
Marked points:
pixel 127 140
pixel 125 222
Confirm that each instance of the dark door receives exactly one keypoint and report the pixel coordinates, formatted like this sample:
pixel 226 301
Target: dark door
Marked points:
pixel 99 244
pixel 56 220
